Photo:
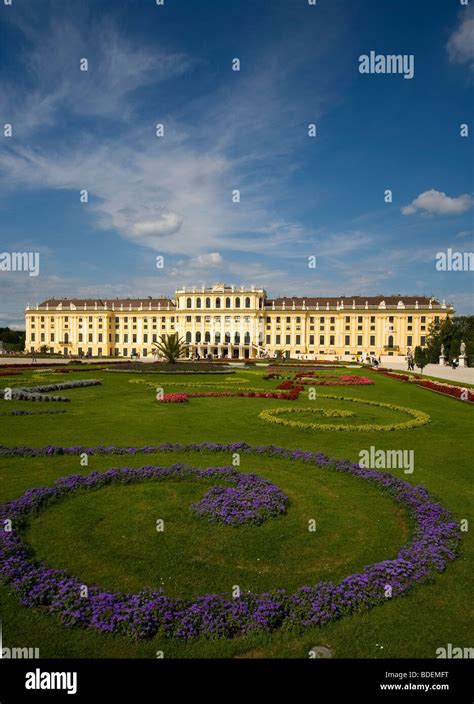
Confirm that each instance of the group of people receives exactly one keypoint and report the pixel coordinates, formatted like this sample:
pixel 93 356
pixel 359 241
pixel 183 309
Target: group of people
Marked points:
pixel 411 363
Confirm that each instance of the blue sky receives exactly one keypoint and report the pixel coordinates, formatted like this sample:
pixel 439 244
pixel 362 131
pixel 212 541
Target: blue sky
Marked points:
pixel 227 130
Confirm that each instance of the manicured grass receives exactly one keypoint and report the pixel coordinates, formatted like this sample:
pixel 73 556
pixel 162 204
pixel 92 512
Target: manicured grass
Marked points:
pixel 108 536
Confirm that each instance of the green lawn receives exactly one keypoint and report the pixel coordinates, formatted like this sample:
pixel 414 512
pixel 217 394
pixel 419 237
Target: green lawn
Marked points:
pixel 108 536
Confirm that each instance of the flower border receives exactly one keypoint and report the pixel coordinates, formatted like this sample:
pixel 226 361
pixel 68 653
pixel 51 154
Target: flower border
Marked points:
pixel 419 417
pixel 434 541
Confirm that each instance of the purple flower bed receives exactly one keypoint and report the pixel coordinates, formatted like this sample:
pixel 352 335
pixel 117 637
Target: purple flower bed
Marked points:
pixel 253 500
pixel 434 541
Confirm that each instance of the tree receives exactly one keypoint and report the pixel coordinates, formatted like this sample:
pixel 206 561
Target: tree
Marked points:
pixel 450 332
pixel 421 357
pixel 172 347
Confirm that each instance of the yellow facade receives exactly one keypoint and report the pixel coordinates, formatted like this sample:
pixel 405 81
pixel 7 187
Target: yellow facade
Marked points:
pixel 234 322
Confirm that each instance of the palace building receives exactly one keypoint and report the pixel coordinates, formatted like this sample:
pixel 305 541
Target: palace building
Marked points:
pixel 234 322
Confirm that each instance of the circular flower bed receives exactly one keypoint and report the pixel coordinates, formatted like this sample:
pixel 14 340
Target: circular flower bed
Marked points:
pixel 434 540
pixel 271 415
pixel 253 500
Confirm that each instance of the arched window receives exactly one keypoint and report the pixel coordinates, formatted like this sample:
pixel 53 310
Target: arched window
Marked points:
pixel 198 302
pixel 189 303
pixel 198 337
pixel 390 340
pixel 208 302
pixel 237 302
pixel 227 302
pixel 218 302
pixel 247 302
pixel 66 337
pixel 218 338
pixel 188 337
pixel 207 337
pixel 247 338
pixel 237 338
pixel 227 337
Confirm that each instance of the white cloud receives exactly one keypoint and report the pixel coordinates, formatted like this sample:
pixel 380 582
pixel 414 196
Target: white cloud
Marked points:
pixel 439 203
pixel 460 45
pixel 166 224
pixel 209 260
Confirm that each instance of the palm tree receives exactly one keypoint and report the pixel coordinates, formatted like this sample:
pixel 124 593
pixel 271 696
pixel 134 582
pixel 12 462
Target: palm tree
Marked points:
pixel 172 347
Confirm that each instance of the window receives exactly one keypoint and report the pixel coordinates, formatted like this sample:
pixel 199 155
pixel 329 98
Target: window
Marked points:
pixel 188 318
pixel 298 340
pixel 227 302
pixel 117 338
pixel 348 318
pixel 347 340
pixel 208 302
pixel 189 303
pixel 332 320
pixel 321 339
pixel 409 340
pixel 277 339
pixel 311 339
pixel 247 302
pixel 359 319
pixel 287 339
pixel 372 318
pixel 390 341
pixel 42 337
pixel 372 340
pixel 237 302
pixel 331 339
pixel 100 337
pixel 422 340
pixel 288 319
pixel 268 339
pixel 410 319
pixel 359 340
pixel 198 336
pixel 207 337
pixel 218 302
pixel 321 320
pixel 278 319
pixel 125 337
pixel 80 337
pixel 298 320
pixel 423 319
pixel 90 337
pixel 188 337
pixel 52 337
pixel 145 337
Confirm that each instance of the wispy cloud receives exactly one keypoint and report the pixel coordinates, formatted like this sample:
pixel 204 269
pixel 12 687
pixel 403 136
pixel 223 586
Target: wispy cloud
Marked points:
pixel 460 46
